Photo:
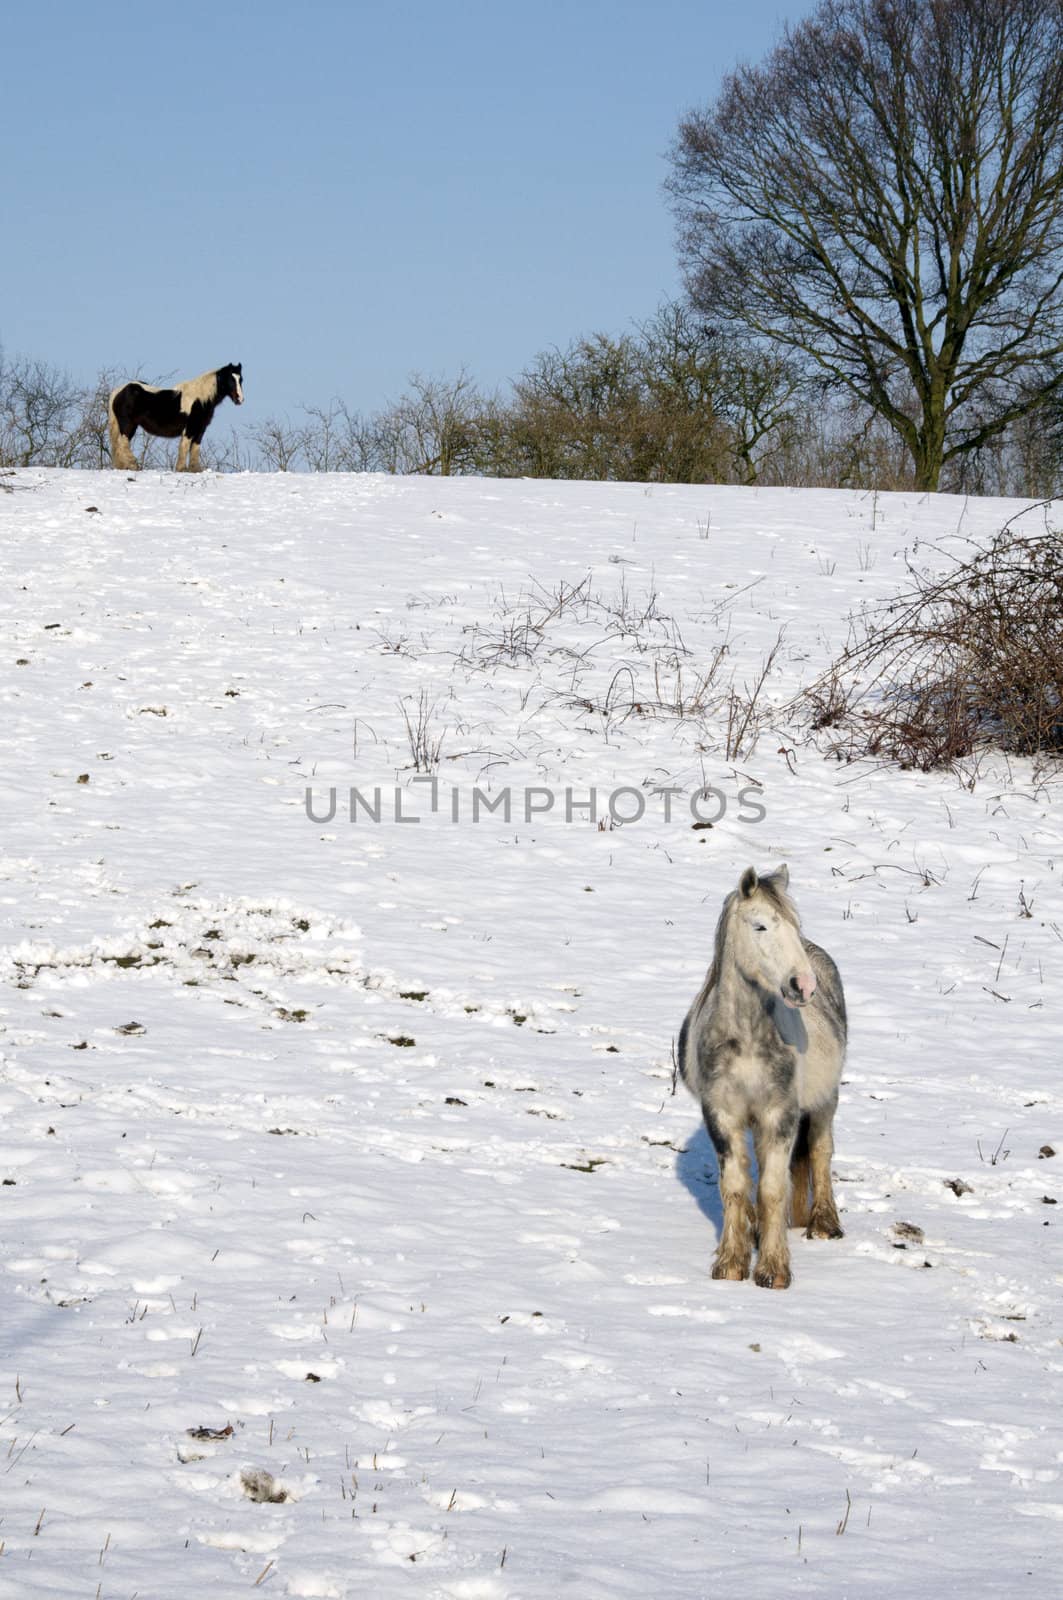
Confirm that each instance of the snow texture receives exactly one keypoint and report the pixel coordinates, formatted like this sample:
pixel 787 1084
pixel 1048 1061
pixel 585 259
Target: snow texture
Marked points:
pixel 353 1240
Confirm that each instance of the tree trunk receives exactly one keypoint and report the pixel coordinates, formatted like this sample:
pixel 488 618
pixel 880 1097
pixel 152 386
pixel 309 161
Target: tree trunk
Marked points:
pixel 929 451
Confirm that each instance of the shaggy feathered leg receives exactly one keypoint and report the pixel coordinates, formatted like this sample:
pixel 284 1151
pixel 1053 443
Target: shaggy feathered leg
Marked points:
pixel 735 1249
pixel 122 457
pixel 823 1220
pixel 800 1178
pixel 773 1199
pixel 188 455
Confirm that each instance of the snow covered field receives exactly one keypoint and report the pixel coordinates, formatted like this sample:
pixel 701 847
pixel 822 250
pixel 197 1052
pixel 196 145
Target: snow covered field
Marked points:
pixel 355 1142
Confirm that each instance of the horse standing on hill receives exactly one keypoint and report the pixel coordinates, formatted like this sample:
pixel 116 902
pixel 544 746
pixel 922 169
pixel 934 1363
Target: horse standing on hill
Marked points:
pixel 762 1047
pixel 182 412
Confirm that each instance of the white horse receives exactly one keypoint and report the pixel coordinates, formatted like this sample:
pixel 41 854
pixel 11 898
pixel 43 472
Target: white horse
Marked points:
pixel 762 1047
pixel 183 412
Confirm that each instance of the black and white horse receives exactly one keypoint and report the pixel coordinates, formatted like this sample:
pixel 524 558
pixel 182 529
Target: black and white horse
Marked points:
pixel 182 412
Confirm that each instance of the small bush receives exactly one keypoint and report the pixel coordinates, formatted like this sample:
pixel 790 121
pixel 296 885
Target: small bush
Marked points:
pixel 974 656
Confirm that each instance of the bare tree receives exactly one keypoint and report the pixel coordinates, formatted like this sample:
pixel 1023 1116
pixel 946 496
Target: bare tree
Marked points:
pixel 230 452
pixel 577 406
pixel 38 414
pixel 91 446
pixel 885 196
pixel 278 443
pixel 680 359
pixel 758 392
pixel 679 401
pixel 434 425
pixel 324 437
pixel 368 442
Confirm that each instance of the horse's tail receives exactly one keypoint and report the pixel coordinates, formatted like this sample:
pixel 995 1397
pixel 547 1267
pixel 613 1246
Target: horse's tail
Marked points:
pixel 113 430
pixel 800 1177
pixel 120 452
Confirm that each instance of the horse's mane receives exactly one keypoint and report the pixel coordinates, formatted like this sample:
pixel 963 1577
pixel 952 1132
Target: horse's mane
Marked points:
pixel 205 387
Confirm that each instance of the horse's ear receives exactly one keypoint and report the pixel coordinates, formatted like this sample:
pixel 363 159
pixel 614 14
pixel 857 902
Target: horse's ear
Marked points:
pixel 782 875
pixel 747 882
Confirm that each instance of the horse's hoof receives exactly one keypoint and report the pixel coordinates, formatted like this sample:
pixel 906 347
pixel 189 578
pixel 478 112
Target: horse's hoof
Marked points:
pixel 821 1227
pixel 731 1271
pixel 772 1277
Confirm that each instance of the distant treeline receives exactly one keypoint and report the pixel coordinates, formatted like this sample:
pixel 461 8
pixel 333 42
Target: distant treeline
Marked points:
pixel 675 401
pixel 870 234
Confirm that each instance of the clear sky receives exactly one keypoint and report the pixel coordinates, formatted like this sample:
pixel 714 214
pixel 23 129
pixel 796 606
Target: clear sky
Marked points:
pixel 338 194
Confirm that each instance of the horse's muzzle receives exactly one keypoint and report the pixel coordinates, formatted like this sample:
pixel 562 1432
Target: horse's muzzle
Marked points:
pixel 799 990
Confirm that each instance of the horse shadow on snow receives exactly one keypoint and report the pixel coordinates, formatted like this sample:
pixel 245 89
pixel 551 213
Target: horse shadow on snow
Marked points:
pixel 698 1170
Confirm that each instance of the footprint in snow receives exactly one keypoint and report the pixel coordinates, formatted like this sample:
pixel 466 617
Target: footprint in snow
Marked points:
pixel 401 1544
pixel 695 1313
pixel 316 1586
pixel 575 1361
pixel 297 1332
pixel 393 1417
pixel 244 1539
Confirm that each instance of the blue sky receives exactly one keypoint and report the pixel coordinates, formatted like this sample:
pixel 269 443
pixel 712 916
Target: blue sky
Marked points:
pixel 338 194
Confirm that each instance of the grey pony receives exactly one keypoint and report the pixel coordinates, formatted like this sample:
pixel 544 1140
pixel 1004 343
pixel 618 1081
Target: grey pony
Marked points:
pixel 762 1048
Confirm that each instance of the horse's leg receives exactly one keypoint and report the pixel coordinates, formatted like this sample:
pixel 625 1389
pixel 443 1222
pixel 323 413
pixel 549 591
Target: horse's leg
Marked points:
pixel 823 1220
pixel 735 1249
pixel 188 453
pixel 800 1177
pixel 122 457
pixel 774 1141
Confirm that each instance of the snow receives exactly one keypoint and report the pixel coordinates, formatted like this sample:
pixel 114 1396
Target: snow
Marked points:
pixel 355 1143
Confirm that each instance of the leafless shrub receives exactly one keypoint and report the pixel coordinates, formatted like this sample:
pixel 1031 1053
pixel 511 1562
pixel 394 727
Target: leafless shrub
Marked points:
pixel 278 443
pixel 325 440
pixel 520 625
pixel 39 414
pixel 88 444
pixel 432 428
pixel 829 699
pixel 676 402
pixel 676 691
pixel 971 657
pixel 229 451
pixel 514 639
pixel 745 710
pixel 426 744
pixel 510 638
pixel 620 700
pixel 632 613
pixel 392 643
pixel 688 695
pixel 565 597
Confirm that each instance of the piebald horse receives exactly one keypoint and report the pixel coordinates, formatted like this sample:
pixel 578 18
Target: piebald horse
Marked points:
pixel 762 1048
pixel 181 412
